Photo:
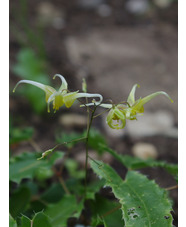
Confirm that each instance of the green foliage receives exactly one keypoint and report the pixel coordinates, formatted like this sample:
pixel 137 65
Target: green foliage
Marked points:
pixel 17 135
pixel 12 222
pixel 31 67
pixel 137 163
pixel 26 165
pixel 143 202
pixel 53 194
pixel 106 212
pixel 18 201
pixel 61 211
pixel 25 221
pixel 94 188
pixel 39 219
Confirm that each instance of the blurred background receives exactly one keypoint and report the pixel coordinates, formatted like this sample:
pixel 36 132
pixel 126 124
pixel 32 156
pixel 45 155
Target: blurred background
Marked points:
pixel 113 44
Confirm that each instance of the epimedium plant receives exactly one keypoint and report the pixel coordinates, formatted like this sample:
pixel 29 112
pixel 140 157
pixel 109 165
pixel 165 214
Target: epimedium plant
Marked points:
pixel 137 201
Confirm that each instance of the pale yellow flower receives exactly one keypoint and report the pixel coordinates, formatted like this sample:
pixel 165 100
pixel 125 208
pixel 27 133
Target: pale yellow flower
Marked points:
pixel 118 114
pixel 62 96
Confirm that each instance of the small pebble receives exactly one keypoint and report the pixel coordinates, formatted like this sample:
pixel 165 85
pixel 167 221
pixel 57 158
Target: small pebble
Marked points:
pixel 73 120
pixel 145 151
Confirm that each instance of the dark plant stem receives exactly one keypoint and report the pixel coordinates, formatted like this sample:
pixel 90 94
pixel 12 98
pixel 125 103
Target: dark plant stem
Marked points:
pixel 89 124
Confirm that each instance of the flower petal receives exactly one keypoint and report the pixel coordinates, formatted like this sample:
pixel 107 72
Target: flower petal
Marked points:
pixel 131 97
pixel 105 105
pixel 70 98
pixel 88 95
pixel 48 89
pixel 64 85
pixel 119 113
pixel 110 116
pixel 116 115
pixel 138 106
pixel 57 99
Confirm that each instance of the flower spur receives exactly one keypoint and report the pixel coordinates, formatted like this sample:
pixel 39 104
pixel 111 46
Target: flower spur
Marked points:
pixel 118 114
pixel 62 96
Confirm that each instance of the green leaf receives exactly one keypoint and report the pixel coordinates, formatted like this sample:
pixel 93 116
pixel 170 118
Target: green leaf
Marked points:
pixel 60 212
pixel 106 212
pixel 137 163
pixel 93 188
pixel 39 220
pixel 30 66
pixel 26 165
pixel 12 222
pixel 53 194
pixel 143 202
pixel 25 221
pixel 19 201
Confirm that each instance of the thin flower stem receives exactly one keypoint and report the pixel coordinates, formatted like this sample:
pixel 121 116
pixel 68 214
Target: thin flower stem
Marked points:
pixel 64 143
pixel 85 104
pixel 101 113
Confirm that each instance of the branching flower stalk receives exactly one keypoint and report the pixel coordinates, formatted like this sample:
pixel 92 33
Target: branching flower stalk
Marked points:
pixel 116 118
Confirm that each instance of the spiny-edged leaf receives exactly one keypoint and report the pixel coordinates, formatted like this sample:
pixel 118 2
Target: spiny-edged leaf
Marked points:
pixel 18 201
pixel 26 165
pixel 106 212
pixel 25 221
pixel 60 212
pixel 12 222
pixel 137 163
pixel 40 219
pixel 143 202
